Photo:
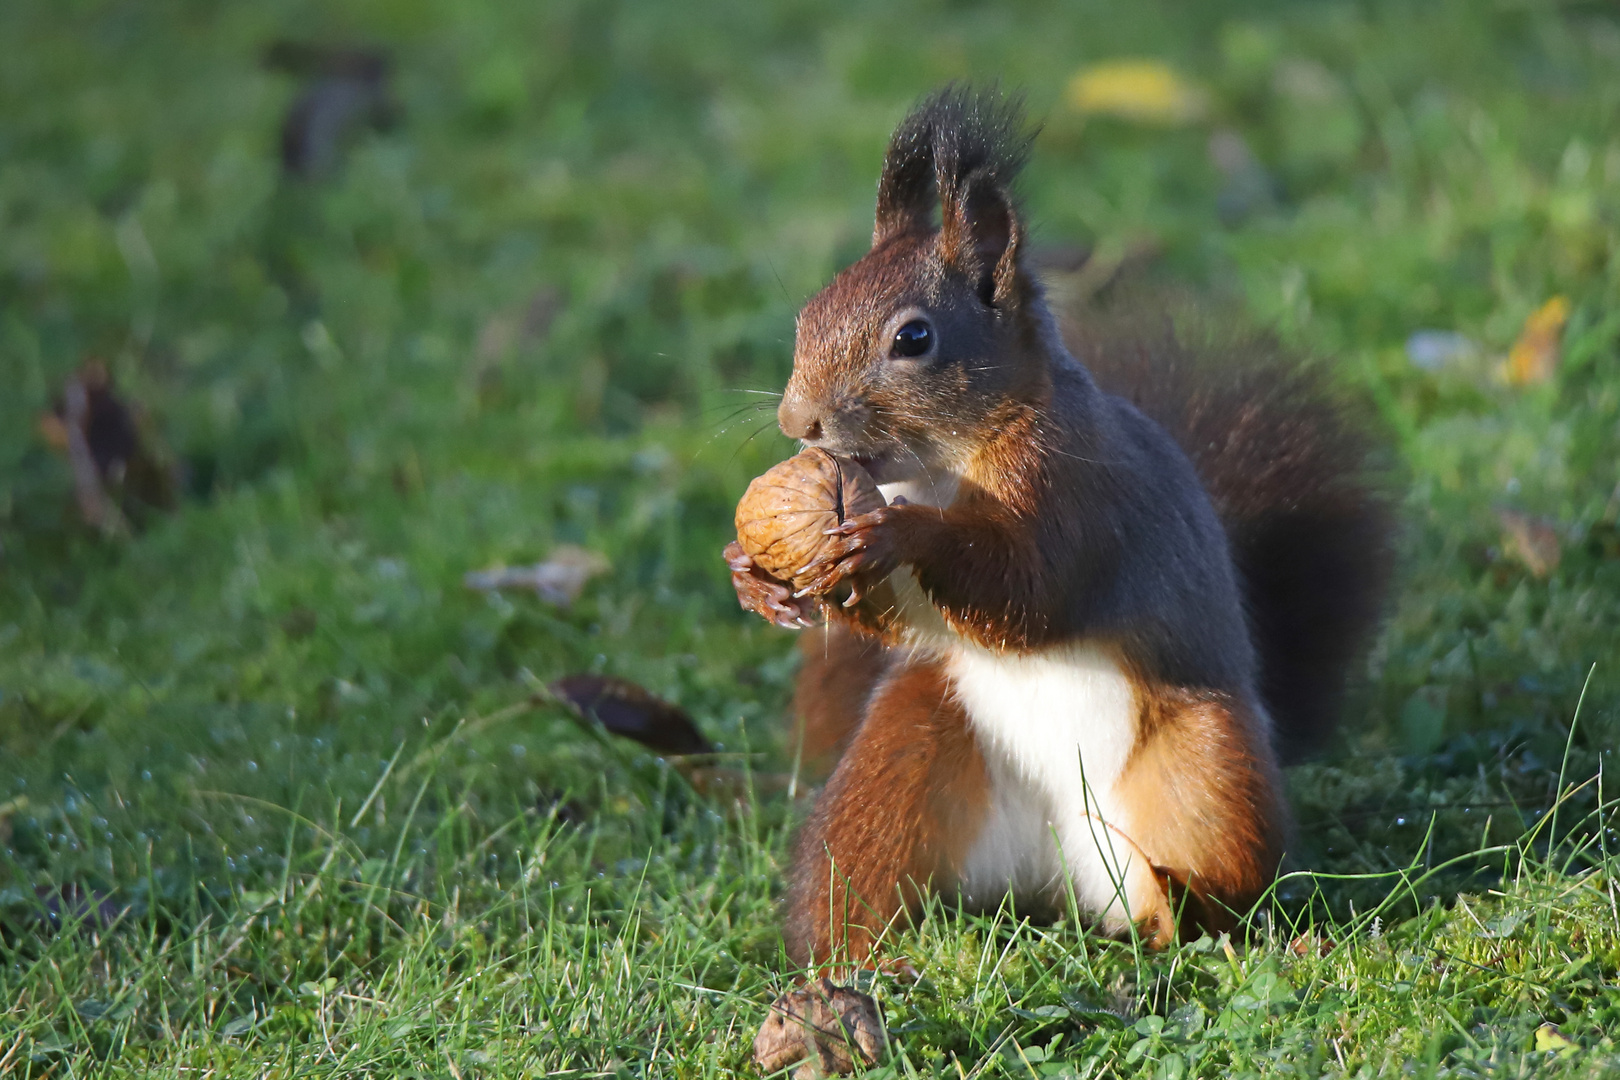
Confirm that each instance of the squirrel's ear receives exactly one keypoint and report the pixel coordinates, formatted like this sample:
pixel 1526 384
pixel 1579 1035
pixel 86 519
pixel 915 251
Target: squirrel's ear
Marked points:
pixel 980 235
pixel 905 201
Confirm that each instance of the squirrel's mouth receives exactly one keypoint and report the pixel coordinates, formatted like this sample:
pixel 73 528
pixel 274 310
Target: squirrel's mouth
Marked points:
pixel 883 464
pixel 876 462
pixel 890 466
pixel 887 462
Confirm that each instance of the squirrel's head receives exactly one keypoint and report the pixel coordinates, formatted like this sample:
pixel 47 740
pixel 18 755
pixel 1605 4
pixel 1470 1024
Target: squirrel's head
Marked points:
pixel 909 358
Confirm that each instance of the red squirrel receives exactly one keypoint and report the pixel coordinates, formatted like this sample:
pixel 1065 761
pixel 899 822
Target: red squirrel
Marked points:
pixel 1130 579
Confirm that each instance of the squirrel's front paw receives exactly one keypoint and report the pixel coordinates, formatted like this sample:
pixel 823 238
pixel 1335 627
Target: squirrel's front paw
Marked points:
pixel 862 551
pixel 764 595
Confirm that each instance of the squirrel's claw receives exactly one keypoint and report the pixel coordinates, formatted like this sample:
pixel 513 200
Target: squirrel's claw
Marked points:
pixel 861 554
pixel 764 595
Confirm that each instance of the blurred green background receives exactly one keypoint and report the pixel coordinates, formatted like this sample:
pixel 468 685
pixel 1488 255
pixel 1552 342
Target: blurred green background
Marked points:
pixel 527 306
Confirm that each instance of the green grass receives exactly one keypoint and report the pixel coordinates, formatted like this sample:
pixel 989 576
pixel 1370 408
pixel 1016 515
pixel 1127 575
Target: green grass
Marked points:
pixel 276 732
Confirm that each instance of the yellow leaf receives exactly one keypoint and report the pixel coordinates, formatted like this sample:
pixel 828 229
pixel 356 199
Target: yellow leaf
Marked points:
pixel 1548 1037
pixel 1145 90
pixel 1535 355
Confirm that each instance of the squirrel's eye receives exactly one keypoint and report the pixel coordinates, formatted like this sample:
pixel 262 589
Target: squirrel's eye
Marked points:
pixel 913 339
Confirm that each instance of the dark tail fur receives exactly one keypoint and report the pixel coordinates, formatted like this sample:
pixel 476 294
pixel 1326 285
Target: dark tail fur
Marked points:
pixel 1287 463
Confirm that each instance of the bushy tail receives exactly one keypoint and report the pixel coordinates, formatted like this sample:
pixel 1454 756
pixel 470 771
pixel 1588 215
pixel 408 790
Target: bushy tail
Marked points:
pixel 1287 463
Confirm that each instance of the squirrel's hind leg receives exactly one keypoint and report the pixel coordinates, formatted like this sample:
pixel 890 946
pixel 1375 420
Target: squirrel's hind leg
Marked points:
pixel 1203 796
pixel 907 799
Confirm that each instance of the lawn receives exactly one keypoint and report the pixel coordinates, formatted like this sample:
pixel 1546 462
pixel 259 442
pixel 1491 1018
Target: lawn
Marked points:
pixel 280 794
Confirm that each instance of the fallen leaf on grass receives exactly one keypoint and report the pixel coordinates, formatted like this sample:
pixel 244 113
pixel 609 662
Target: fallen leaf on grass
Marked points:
pixel 559 580
pixel 1312 945
pixel 831 1029
pixel 1549 1038
pixel 901 969
pixel 1148 91
pixel 1531 540
pixel 347 92
pixel 634 712
pixel 1534 356
pixel 114 471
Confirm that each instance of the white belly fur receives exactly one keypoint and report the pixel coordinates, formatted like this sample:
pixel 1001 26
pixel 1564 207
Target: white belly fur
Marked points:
pixel 1056 729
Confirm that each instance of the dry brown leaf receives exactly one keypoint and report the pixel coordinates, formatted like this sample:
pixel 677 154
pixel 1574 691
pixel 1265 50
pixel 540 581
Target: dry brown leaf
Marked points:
pixel 831 1029
pixel 634 712
pixel 115 473
pixel 559 580
pixel 348 90
pixel 900 969
pixel 1534 356
pixel 1531 540
pixel 1309 944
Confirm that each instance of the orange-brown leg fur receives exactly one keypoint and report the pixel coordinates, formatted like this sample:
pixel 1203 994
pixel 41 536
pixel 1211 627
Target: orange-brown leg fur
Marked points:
pixel 905 802
pixel 839 671
pixel 1204 800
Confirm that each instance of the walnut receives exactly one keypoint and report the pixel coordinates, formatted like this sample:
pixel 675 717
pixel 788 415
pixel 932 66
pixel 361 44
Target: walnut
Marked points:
pixel 831 1029
pixel 785 513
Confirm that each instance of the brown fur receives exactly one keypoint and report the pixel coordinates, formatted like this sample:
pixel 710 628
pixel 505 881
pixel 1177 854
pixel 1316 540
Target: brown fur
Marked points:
pixel 837 673
pixel 1286 461
pixel 901 809
pixel 1202 794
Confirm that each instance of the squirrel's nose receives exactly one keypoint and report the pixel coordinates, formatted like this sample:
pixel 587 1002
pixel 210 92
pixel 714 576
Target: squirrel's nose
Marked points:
pixel 799 419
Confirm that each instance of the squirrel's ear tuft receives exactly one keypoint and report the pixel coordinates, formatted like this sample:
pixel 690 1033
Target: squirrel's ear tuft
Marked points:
pixel 906 194
pixel 961 148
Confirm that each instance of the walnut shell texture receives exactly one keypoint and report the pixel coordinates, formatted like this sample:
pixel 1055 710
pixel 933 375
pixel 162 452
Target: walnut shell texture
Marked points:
pixel 785 513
